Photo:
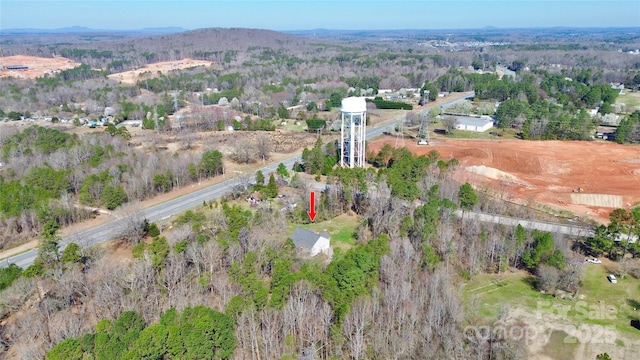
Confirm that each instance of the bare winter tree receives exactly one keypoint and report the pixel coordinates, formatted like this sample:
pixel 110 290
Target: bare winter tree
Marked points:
pixel 6 133
pixel 66 325
pixel 412 118
pixel 384 212
pixel 263 146
pixel 460 108
pixel 449 122
pixel 107 283
pixel 249 334
pixel 131 223
pixel 243 151
pixel 17 295
pixel 547 279
pixel 354 327
pixel 272 333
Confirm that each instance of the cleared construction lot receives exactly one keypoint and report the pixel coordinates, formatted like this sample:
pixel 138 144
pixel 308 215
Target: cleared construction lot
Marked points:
pixel 546 172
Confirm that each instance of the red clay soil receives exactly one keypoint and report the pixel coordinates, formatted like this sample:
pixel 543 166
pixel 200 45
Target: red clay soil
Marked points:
pixel 36 66
pixel 548 171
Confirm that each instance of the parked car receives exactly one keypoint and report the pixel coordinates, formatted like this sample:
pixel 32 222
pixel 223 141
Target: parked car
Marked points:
pixel 612 278
pixel 593 261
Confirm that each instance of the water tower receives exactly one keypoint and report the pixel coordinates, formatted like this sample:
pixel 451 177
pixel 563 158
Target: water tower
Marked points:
pixel 352 131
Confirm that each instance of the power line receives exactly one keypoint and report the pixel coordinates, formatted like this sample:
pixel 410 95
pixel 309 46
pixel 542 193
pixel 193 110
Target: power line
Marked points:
pixel 400 135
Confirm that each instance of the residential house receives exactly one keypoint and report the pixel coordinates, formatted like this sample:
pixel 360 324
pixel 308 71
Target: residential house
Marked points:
pixel 311 243
pixel 254 199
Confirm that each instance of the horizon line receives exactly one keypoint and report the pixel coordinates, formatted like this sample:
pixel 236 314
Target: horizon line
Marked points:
pixel 488 27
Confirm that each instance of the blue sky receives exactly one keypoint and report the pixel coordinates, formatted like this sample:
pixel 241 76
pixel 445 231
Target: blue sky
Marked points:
pixel 301 14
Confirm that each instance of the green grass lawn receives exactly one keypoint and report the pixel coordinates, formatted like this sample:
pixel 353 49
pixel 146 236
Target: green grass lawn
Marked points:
pixel 291 125
pixel 622 297
pixel 341 229
pixel 463 134
pixel 599 301
pixel 630 99
pixel 494 291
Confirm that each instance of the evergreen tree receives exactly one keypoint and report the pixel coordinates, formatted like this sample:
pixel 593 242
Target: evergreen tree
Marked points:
pixel 259 178
pixel 467 196
pixel 113 196
pixel 72 254
pixel 49 243
pixel 272 187
pixel 211 163
pixel 282 170
pixel 159 249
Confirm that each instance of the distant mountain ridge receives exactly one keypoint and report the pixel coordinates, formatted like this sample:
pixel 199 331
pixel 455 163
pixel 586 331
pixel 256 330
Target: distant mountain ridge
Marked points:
pixel 87 30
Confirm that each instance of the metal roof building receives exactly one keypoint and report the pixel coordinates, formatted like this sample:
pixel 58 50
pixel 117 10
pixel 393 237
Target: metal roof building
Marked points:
pixel 474 124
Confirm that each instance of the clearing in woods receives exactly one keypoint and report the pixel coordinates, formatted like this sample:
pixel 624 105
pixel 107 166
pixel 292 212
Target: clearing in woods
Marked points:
pixel 631 100
pixel 152 70
pixel 35 66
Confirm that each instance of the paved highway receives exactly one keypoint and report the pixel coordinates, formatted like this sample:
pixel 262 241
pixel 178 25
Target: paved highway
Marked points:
pixel 111 229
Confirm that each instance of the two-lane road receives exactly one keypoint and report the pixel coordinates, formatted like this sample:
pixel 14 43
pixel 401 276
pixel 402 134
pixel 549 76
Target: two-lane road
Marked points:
pixel 111 229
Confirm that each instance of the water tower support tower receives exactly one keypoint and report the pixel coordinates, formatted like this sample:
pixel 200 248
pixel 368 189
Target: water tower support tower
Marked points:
pixel 353 131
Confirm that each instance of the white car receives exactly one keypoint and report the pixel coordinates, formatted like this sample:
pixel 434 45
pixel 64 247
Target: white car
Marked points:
pixel 593 261
pixel 612 278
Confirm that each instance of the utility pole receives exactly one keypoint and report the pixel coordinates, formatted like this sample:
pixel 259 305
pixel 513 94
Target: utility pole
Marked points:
pixel 400 134
pixel 155 119
pixel 423 132
pixel 175 102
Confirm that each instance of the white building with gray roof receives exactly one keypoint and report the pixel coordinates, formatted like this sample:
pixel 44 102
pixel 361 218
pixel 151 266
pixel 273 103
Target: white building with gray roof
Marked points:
pixel 311 243
pixel 474 124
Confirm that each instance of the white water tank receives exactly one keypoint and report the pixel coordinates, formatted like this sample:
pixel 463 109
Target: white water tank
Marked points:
pixel 353 105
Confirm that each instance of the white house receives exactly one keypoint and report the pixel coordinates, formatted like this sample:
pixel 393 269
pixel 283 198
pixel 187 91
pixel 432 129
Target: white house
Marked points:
pixel 474 124
pixel 312 243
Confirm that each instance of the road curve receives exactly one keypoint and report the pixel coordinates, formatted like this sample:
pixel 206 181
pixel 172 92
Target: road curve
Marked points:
pixel 110 229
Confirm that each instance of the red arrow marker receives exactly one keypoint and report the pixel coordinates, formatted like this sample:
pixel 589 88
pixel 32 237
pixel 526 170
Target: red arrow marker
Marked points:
pixel 312 213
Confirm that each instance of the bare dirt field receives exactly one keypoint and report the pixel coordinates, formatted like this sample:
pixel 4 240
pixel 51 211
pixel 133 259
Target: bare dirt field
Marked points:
pixel 545 173
pixel 130 77
pixel 36 66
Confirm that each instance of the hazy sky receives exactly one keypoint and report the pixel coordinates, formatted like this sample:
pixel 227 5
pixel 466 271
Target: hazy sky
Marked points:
pixel 302 14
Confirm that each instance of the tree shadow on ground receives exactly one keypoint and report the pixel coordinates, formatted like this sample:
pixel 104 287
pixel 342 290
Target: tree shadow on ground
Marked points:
pixel 635 304
pixel 531 281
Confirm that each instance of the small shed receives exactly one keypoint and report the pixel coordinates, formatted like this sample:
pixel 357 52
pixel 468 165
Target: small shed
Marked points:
pixel 311 243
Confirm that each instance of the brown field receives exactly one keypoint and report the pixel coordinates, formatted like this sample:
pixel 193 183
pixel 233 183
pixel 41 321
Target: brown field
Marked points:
pixel 545 173
pixel 38 66
pixel 130 77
